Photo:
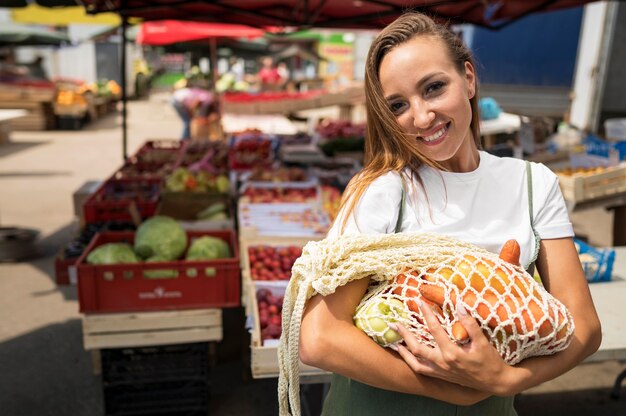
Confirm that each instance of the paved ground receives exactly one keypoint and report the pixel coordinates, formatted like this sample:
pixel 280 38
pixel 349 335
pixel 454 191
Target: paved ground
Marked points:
pixel 43 367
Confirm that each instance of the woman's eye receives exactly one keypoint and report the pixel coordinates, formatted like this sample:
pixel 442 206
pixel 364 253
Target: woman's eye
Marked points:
pixel 396 107
pixel 434 87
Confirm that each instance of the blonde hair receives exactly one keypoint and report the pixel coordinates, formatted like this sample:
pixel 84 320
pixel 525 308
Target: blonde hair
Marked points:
pixel 387 147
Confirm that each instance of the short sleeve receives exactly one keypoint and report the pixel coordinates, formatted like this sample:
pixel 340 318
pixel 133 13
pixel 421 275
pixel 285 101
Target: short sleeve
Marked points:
pixel 377 210
pixel 551 217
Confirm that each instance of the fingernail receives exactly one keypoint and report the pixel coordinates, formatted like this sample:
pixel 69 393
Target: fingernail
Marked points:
pixel 420 303
pixel 393 326
pixel 460 309
pixel 393 347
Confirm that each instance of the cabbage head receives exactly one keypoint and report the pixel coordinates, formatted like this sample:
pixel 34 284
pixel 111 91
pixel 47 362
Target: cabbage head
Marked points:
pixel 208 248
pixel 159 273
pixel 113 253
pixel 160 236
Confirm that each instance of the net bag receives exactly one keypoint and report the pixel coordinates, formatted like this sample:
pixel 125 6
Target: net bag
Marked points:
pixel 440 270
pixel 519 317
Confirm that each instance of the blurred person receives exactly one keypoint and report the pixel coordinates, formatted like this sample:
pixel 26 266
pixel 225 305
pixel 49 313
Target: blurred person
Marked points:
pixel 268 75
pixel 194 102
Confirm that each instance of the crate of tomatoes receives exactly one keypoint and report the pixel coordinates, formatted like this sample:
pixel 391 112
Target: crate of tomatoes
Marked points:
pixel 161 266
pixel 265 324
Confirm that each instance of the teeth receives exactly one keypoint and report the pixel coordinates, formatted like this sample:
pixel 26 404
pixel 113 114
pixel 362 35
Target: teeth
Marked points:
pixel 435 136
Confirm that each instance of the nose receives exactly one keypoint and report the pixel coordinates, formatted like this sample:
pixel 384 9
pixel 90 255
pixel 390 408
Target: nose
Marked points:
pixel 423 116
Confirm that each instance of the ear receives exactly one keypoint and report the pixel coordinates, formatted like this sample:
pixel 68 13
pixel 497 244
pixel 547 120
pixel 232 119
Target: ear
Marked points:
pixel 470 78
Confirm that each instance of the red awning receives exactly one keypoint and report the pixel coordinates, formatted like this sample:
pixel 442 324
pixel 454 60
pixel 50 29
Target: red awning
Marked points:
pixel 165 32
pixel 364 14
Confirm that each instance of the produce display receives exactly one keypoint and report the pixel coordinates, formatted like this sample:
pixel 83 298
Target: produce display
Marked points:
pixel 581 170
pixel 201 167
pixel 518 316
pixel 184 179
pixel 160 238
pixel 278 175
pixel 283 219
pixel 113 253
pixel 115 190
pixel 280 195
pixel 215 211
pixel 270 314
pixel 250 149
pixel 340 136
pixel 211 157
pixel 340 129
pixel 272 263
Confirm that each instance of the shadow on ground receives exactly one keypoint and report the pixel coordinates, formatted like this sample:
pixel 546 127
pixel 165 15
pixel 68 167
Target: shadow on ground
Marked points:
pixel 49 373
pixel 10 147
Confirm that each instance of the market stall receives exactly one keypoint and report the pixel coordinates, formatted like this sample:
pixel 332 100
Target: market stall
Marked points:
pixel 269 208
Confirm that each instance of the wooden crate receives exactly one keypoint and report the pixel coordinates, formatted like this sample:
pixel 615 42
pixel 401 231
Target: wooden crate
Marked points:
pixel 119 330
pixel 582 187
pixel 264 358
pixel 26 93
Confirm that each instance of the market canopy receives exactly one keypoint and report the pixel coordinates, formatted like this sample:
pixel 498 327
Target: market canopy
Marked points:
pixel 23 35
pixel 358 14
pixel 166 32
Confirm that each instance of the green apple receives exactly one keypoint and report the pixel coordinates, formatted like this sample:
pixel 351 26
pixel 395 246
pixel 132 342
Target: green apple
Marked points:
pixel 378 314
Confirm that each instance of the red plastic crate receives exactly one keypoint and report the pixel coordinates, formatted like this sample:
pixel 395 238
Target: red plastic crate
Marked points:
pixel 124 287
pixel 62 270
pixel 106 205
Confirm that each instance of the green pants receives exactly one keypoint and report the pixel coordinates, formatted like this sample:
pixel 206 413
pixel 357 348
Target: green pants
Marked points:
pixel 347 397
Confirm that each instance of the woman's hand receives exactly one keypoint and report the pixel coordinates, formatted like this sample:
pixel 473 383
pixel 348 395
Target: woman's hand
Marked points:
pixel 475 364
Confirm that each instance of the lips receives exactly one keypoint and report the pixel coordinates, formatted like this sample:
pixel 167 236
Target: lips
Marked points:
pixel 435 136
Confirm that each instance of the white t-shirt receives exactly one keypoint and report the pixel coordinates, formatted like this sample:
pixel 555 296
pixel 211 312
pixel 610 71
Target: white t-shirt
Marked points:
pixel 486 207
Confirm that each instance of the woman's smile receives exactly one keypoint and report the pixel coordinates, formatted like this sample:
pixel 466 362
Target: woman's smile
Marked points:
pixel 436 135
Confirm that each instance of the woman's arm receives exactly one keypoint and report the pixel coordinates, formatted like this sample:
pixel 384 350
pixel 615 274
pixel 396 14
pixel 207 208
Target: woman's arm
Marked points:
pixel 478 365
pixel 329 340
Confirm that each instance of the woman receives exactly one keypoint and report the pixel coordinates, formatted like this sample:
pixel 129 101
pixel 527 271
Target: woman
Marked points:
pixel 423 137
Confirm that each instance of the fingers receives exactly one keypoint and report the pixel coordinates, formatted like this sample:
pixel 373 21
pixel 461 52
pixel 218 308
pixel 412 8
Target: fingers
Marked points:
pixel 413 345
pixel 416 362
pixel 469 323
pixel 434 326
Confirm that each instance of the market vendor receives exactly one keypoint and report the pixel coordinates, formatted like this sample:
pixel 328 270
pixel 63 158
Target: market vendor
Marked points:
pixel 194 102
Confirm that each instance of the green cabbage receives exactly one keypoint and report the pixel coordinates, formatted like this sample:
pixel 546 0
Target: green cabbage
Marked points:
pixel 208 248
pixel 113 253
pixel 160 236
pixel 159 273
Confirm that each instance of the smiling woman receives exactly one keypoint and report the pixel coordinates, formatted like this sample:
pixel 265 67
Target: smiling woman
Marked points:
pixel 425 172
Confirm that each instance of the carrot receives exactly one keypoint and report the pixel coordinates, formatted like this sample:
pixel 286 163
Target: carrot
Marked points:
pixel 459 332
pixel 411 294
pixel 433 293
pixel 510 252
pixel 483 308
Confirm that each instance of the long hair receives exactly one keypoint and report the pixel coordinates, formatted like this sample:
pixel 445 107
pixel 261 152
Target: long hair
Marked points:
pixel 387 147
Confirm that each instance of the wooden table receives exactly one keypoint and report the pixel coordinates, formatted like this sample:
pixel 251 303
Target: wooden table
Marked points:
pixel 5 122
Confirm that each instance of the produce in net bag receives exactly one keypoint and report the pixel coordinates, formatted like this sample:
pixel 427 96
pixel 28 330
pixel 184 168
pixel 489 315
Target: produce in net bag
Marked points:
pixel 519 317
pixel 516 313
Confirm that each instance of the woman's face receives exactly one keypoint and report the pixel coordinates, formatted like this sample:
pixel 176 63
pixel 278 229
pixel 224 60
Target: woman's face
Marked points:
pixel 430 100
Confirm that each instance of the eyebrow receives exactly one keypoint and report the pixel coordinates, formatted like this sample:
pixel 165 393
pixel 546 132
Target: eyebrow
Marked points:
pixel 421 82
